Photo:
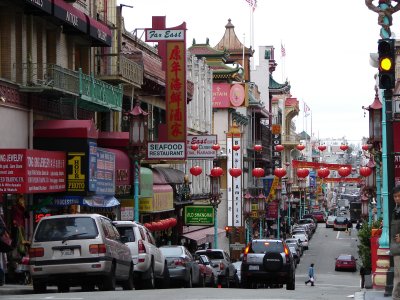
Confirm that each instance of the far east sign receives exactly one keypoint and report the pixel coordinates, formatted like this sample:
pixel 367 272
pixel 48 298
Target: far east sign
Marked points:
pixel 199 215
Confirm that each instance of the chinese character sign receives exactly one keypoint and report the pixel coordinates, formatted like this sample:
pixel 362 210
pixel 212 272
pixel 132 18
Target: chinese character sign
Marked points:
pixel 176 91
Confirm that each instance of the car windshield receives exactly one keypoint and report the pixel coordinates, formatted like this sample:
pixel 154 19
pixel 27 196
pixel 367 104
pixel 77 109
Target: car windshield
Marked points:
pixel 341 220
pixel 171 251
pixel 264 246
pixel 344 257
pixel 70 228
pixel 291 241
pixel 212 254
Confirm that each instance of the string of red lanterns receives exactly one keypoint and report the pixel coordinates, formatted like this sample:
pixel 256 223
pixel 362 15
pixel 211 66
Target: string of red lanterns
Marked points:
pixel 344 147
pixel 235 147
pixel 280 172
pixel 196 170
pixel 302 173
pixel 365 171
pixel 365 147
pixel 235 172
pixel 344 171
pixel 161 224
pixel 279 148
pixel 321 147
pixel 216 172
pixel 257 148
pixel 300 147
pixel 215 147
pixel 194 147
pixel 323 172
pixel 258 172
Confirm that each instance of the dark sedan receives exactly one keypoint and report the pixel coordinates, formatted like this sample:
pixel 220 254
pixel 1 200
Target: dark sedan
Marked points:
pixel 181 265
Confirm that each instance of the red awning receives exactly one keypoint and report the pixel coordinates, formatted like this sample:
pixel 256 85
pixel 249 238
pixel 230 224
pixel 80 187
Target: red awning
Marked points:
pixel 39 6
pixel 122 167
pixel 113 139
pixel 100 34
pixel 70 16
pixel 65 129
pixel 203 236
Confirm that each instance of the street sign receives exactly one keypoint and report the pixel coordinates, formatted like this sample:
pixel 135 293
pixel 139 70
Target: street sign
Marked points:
pixel 237 246
pixel 397 106
pixel 199 215
pixel 166 151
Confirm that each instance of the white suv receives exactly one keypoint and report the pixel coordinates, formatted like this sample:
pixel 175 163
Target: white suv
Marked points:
pixel 151 269
pixel 79 250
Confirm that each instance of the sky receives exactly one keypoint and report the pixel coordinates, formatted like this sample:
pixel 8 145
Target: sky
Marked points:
pixel 327 45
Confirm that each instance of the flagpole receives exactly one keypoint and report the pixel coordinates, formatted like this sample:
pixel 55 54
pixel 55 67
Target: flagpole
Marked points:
pixel 244 72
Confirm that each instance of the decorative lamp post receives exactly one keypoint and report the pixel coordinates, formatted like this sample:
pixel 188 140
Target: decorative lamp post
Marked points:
pixel 289 195
pixel 278 197
pixel 261 211
pixel 247 212
pixel 302 174
pixel 302 186
pixel 137 142
pixel 215 198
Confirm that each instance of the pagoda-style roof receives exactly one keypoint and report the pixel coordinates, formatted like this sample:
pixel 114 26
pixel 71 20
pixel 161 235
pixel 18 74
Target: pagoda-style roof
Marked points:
pixel 216 60
pixel 231 42
pixel 278 88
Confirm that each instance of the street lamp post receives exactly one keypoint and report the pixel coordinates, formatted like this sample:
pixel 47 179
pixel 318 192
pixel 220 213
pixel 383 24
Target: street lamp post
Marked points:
pixel 137 142
pixel 288 193
pixel 302 185
pixel 278 196
pixel 215 198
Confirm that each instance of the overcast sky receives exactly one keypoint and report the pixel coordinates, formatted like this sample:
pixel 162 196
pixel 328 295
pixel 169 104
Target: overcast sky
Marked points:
pixel 327 43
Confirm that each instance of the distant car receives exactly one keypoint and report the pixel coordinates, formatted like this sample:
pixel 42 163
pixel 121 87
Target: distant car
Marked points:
pixel 330 221
pixel 297 243
pixel 310 222
pixel 319 216
pixel 303 239
pixel 346 262
pixel 295 252
pixel 181 265
pixel 340 223
pixel 226 271
pixel 268 261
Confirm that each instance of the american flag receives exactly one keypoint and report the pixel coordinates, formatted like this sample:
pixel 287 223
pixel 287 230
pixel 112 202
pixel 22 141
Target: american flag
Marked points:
pixel 306 110
pixel 252 3
pixel 283 50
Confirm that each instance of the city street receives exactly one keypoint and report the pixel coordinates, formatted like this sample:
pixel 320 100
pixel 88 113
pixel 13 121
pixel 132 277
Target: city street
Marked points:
pixel 325 246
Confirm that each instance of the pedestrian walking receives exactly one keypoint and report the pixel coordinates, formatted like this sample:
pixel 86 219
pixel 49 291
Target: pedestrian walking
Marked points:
pixel 311 275
pixel 395 243
pixel 362 274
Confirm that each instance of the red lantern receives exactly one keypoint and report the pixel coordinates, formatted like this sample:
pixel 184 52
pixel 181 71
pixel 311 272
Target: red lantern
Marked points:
pixel 155 226
pixel 279 148
pixel 235 172
pixel 194 147
pixel 300 147
pixel 344 147
pixel 258 172
pixel 323 172
pixel 215 147
pixel 321 147
pixel 173 222
pixel 302 173
pixel 344 171
pixel 235 147
pixel 196 170
pixel 257 148
pixel 148 226
pixel 365 171
pixel 280 172
pixel 216 172
pixel 365 147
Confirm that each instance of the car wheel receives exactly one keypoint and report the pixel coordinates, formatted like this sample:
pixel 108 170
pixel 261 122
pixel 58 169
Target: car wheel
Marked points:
pixel 189 282
pixel 290 285
pixel 109 283
pixel 151 279
pixel 272 262
pixel 236 280
pixel 128 284
pixel 88 287
pixel 164 281
pixel 39 287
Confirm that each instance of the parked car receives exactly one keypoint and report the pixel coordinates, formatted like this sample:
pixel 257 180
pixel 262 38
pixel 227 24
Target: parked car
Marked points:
pixel 310 216
pixel 295 253
pixel 297 248
pixel 340 223
pixel 346 262
pixel 303 239
pixel 297 243
pixel 330 221
pixel 79 250
pixel 151 269
pixel 319 216
pixel 310 221
pixel 268 261
pixel 208 272
pixel 227 274
pixel 299 230
pixel 181 265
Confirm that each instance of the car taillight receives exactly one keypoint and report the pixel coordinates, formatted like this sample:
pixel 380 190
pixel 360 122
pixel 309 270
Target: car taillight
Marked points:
pixel 97 248
pixel 36 252
pixel 246 251
pixel 141 247
pixel 286 250
pixel 179 262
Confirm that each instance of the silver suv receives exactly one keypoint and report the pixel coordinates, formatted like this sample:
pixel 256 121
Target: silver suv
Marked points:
pixel 268 261
pixel 79 250
pixel 151 269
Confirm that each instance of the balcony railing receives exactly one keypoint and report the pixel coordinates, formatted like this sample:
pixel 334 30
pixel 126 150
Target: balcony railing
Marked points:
pixel 290 139
pixel 96 95
pixel 119 69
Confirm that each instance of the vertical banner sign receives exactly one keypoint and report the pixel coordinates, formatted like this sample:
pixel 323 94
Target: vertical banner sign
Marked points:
pixel 105 172
pixel 396 150
pixel 237 184
pixel 276 140
pixel 75 171
pixel 92 166
pixel 176 91
pixel 229 164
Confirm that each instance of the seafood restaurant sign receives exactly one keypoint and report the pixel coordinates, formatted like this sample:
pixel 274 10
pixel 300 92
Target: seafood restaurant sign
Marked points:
pixel 172 49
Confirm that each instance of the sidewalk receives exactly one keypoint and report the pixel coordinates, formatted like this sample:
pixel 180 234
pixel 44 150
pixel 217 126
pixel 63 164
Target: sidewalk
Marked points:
pixel 371 295
pixel 15 289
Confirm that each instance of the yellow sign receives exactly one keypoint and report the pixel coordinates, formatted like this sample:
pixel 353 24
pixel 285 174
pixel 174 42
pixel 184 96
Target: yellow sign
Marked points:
pixel 161 201
pixel 76 179
pixel 274 185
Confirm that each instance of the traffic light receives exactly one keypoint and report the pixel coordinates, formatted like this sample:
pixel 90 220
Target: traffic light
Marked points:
pixel 387 63
pixel 228 231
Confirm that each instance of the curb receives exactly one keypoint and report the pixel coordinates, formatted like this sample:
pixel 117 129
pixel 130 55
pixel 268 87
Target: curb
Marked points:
pixel 359 295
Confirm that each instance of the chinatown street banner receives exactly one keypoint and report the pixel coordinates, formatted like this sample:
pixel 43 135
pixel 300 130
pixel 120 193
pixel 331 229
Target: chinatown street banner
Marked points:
pixel 345 179
pixel 274 185
pixel 28 171
pixel 396 150
pixel 317 165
